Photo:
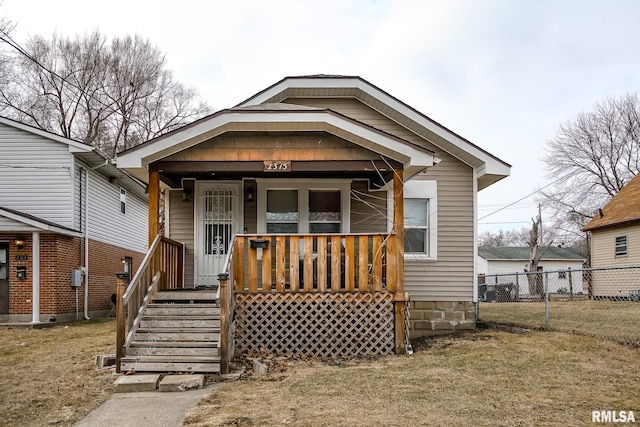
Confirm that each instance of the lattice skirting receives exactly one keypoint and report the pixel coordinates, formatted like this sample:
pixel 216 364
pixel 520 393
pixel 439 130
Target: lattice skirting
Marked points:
pixel 316 324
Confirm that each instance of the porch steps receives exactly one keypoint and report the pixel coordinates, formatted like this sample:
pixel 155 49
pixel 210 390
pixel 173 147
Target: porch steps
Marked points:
pixel 178 332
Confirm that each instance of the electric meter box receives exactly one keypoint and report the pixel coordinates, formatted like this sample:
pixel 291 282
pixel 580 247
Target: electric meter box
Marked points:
pixel 76 278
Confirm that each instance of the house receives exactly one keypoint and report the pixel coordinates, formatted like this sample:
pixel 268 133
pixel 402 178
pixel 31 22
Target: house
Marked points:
pixel 507 264
pixel 330 189
pixel 69 219
pixel 615 233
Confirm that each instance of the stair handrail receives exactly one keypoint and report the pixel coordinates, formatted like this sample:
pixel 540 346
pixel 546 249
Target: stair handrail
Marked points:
pixel 226 300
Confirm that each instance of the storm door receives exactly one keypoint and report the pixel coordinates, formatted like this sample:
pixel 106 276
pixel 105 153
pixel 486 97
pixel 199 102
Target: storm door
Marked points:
pixel 217 216
pixel 4 278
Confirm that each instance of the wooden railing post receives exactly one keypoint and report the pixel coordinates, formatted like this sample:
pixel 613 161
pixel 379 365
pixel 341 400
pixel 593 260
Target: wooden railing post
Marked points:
pixel 121 283
pixel 398 228
pixel 223 278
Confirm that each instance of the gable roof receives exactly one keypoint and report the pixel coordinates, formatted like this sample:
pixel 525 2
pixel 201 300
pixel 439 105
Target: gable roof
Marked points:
pixel 623 208
pixel 511 253
pixel 35 223
pixel 489 168
pixel 276 117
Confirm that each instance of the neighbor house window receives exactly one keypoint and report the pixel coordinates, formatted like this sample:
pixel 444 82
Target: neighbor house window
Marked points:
pixel 123 200
pixel 416 226
pixel 621 246
pixel 562 274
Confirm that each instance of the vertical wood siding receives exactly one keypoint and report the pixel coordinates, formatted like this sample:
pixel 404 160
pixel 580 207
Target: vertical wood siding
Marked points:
pixel 450 278
pixel 107 224
pixel 181 230
pixel 35 176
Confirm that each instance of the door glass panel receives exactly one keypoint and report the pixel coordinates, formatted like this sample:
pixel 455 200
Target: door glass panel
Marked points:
pixel 282 211
pixel 3 264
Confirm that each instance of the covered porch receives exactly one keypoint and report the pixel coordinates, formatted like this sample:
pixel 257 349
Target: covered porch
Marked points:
pixel 301 225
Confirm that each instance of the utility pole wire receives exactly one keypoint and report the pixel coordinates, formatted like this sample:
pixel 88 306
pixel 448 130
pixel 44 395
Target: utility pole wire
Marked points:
pixel 527 196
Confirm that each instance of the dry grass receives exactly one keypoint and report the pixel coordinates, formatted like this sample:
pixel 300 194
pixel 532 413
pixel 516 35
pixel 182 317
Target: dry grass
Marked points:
pixel 48 376
pixel 488 378
pixel 617 320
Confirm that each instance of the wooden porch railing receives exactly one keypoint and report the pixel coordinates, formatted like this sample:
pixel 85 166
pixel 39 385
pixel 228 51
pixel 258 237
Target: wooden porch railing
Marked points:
pixel 161 269
pixel 313 263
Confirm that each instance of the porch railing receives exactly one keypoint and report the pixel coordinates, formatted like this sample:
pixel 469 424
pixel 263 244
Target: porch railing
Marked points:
pixel 161 269
pixel 313 263
pixel 227 307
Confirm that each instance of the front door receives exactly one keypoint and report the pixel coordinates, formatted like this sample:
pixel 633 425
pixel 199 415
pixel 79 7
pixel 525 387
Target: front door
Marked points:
pixel 4 278
pixel 217 220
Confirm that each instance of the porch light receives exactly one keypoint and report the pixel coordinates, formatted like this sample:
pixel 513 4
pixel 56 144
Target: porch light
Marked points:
pixel 186 195
pixel 19 243
pixel 250 194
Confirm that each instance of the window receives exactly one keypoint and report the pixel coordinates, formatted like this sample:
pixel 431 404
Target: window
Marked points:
pixel 282 211
pixel 324 211
pixel 123 200
pixel 416 226
pixel 303 206
pixel 621 246
pixel 562 274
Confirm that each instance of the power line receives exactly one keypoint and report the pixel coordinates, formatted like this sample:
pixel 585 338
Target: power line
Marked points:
pixel 527 196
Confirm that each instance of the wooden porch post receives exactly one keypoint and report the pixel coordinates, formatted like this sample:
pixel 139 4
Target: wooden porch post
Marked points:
pixel 154 205
pixel 398 229
pixel 223 278
pixel 121 281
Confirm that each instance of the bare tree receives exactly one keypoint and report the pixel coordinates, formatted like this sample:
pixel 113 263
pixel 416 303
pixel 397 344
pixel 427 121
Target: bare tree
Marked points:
pixel 592 158
pixel 113 95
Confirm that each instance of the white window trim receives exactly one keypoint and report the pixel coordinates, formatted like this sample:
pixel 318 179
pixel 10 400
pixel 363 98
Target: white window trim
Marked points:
pixel 420 189
pixel 303 186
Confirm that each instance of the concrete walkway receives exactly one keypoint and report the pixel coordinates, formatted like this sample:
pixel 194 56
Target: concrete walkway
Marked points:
pixel 142 409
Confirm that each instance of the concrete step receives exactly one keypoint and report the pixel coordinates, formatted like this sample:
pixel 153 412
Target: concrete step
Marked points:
pixel 135 383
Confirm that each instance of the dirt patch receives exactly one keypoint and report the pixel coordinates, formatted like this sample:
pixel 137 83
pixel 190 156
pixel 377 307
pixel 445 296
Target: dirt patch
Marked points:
pixel 48 376
pixel 487 378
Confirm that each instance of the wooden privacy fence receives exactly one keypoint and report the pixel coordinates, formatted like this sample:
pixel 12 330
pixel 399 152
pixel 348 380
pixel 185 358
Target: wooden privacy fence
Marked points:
pixel 161 269
pixel 321 295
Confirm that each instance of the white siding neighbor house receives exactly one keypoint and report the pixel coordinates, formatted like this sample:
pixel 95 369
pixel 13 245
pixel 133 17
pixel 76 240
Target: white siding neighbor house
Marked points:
pixel 64 207
pixel 559 262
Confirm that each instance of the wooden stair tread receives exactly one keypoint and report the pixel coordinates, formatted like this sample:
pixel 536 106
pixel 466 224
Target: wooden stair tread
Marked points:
pixel 164 358
pixel 213 367
pixel 172 351
pixel 179 329
pixel 174 344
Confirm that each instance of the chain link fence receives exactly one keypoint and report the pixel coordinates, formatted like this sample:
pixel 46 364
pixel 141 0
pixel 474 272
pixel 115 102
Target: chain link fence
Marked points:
pixel 603 302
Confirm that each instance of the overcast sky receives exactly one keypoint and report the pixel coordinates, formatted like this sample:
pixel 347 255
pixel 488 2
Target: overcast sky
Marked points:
pixel 502 73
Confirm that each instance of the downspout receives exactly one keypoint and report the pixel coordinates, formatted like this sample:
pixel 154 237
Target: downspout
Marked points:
pixel 86 239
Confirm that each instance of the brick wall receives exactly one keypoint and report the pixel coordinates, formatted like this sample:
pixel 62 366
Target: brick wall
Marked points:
pixel 440 317
pixel 59 255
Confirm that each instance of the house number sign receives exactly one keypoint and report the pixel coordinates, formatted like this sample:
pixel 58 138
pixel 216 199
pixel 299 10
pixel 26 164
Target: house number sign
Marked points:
pixel 277 165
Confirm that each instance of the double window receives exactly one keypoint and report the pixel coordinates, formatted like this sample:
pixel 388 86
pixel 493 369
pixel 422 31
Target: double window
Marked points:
pixel 311 207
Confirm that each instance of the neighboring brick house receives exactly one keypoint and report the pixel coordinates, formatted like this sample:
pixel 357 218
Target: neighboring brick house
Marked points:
pixel 63 207
pixel 615 238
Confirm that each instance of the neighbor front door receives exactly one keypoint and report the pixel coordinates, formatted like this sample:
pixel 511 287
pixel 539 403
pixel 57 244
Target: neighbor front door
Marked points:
pixel 217 218
pixel 4 278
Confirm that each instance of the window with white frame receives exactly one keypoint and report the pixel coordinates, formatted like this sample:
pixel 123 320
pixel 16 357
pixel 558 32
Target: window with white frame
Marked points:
pixel 123 201
pixel 282 214
pixel 416 226
pixel 420 219
pixel 621 246
pixel 303 206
